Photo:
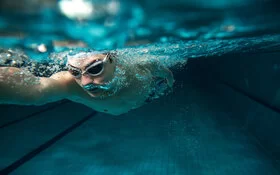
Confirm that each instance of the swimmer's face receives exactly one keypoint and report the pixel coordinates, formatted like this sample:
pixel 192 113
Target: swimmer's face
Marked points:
pixel 92 72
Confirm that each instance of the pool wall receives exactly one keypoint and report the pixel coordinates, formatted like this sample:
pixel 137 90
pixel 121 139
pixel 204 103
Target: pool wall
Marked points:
pixel 251 92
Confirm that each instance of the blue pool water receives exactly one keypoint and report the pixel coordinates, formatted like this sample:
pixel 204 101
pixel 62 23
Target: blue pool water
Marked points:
pixel 221 118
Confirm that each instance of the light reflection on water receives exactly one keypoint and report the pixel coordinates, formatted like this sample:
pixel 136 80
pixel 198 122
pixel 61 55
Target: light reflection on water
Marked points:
pixel 114 24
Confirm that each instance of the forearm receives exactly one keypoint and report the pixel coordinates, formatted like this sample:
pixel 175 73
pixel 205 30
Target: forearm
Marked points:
pixel 21 87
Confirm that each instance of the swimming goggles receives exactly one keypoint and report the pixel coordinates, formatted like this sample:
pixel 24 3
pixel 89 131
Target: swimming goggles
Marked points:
pixel 94 69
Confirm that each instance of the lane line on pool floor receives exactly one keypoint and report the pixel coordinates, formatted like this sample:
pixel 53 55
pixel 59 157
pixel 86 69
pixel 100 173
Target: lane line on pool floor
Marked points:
pixel 12 167
pixel 33 114
pixel 256 99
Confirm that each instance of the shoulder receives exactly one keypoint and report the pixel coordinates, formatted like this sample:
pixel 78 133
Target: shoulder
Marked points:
pixel 63 77
pixel 61 81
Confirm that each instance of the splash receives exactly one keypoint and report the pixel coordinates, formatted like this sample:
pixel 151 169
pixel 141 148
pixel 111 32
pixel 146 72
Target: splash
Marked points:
pixel 170 54
pixel 177 53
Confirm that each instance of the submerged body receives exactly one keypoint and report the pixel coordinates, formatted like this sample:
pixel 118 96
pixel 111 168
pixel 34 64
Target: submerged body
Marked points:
pixel 102 81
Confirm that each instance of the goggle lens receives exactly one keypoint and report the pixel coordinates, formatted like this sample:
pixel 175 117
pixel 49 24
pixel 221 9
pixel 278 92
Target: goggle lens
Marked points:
pixel 96 68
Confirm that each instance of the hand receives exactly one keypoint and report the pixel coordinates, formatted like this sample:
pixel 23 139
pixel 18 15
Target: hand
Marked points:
pixel 170 79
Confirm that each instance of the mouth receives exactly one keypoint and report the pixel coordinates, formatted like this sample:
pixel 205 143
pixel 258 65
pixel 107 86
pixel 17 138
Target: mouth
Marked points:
pixel 91 88
pixel 95 89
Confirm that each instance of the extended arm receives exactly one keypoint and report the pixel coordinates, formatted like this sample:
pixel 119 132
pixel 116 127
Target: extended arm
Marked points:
pixel 21 87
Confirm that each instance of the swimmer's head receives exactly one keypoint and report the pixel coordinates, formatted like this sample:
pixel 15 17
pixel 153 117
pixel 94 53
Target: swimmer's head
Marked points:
pixel 92 71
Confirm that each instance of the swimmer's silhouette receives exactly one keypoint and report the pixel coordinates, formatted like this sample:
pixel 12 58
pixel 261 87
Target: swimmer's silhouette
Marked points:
pixel 98 80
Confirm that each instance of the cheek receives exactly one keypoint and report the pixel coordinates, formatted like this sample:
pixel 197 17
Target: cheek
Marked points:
pixel 99 80
pixel 78 81
pixel 104 78
pixel 109 75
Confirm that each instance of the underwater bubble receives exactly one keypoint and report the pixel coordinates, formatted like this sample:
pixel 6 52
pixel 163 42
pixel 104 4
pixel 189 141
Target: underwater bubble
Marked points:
pixel 42 48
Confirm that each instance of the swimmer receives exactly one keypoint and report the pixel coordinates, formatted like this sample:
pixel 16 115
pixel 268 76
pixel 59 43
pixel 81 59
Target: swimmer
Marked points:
pixel 102 81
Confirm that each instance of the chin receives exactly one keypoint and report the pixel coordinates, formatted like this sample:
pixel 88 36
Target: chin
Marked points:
pixel 97 94
pixel 94 94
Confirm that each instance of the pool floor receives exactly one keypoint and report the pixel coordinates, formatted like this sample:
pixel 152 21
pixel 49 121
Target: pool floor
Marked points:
pixel 187 132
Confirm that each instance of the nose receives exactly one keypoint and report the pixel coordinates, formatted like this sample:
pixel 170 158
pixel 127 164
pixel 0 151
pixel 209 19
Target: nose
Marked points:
pixel 85 79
